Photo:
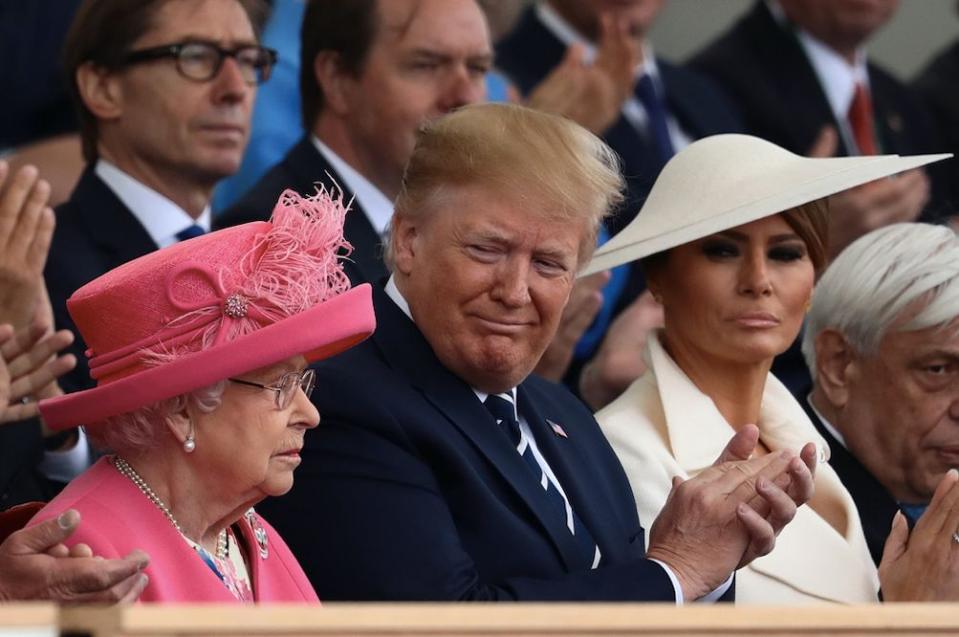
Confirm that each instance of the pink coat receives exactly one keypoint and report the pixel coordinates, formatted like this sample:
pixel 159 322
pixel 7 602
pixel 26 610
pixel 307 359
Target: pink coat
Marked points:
pixel 117 518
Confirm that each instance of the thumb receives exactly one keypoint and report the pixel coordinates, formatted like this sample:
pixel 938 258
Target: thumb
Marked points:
pixel 895 544
pixel 826 143
pixel 39 538
pixel 741 445
pixel 575 56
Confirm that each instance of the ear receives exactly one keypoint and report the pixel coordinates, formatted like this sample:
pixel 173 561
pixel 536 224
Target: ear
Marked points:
pixel 180 426
pixel 100 91
pixel 836 362
pixel 334 81
pixel 404 234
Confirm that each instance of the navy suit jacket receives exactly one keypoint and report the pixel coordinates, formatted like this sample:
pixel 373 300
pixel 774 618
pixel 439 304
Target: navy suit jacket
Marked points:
pixel 876 507
pixel 301 169
pixel 95 233
pixel 529 52
pixel 408 490
pixel 762 66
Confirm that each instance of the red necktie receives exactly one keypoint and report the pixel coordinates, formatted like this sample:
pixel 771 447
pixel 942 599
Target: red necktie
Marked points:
pixel 860 119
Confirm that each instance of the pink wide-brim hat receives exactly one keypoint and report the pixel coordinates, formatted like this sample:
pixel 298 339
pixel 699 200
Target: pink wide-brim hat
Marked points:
pixel 220 305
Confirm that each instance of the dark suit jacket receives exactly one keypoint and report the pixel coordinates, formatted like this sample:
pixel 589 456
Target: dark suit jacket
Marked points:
pixel 762 66
pixel 876 506
pixel 21 451
pixel 95 233
pixel 409 491
pixel 301 169
pixel 531 51
pixel 937 85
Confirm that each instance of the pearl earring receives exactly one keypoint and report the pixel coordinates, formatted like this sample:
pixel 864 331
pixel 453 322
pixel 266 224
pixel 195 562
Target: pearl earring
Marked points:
pixel 189 444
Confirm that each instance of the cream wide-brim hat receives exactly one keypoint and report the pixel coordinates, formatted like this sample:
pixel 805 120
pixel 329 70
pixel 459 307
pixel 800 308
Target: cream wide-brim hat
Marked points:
pixel 724 181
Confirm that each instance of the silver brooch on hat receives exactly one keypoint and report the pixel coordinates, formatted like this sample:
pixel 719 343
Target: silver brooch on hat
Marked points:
pixel 235 306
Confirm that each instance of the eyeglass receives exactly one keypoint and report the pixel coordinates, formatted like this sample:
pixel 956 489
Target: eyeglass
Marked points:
pixel 286 388
pixel 201 61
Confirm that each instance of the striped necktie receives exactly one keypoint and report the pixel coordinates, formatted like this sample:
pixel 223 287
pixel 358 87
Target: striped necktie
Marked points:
pixel 189 232
pixel 658 128
pixel 503 409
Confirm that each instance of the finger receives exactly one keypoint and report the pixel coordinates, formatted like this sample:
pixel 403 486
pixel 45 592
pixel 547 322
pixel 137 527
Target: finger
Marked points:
pixel 740 484
pixel 782 508
pixel 139 585
pixel 39 353
pixel 91 576
pixel 740 446
pixel 809 454
pixel 11 202
pixel 37 380
pixel 826 143
pixel 36 256
pixel 81 550
pixel 58 550
pixel 937 513
pixel 26 229
pixel 801 483
pixel 18 412
pixel 897 539
pixel 762 537
pixel 23 339
pixel 43 536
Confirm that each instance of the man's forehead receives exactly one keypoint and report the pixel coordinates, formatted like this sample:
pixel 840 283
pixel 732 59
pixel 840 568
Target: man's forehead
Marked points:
pixel 223 21
pixel 417 23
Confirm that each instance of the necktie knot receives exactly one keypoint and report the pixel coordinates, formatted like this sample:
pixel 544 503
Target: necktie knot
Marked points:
pixel 503 409
pixel 190 232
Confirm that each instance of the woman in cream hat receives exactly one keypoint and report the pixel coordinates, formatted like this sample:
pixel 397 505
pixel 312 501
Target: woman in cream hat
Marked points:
pixel 731 240
pixel 200 353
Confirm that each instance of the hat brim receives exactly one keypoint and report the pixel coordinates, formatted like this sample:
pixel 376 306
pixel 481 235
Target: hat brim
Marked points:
pixel 656 229
pixel 319 332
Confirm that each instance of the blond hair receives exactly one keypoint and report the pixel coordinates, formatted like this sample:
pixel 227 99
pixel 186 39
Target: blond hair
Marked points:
pixel 565 172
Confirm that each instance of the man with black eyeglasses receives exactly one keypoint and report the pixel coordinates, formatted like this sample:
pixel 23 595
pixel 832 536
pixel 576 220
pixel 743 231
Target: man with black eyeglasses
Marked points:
pixel 164 91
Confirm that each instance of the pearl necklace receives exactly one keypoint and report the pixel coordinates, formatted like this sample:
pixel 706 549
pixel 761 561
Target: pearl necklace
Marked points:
pixel 222 545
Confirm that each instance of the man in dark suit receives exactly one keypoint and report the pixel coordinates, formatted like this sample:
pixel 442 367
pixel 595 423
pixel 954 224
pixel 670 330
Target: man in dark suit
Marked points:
pixel 798 71
pixel 881 341
pixel 444 471
pixel 164 95
pixel 370 73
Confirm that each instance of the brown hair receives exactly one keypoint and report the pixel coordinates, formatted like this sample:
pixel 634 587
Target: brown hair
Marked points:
pixel 346 27
pixel 810 221
pixel 562 170
pixel 102 32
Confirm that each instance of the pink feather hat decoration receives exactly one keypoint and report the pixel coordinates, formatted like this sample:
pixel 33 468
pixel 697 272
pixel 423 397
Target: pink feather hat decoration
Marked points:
pixel 220 305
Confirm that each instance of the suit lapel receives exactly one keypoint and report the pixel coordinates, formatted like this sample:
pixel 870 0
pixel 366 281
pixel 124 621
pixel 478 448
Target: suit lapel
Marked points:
pixel 405 349
pixel 309 167
pixel 112 227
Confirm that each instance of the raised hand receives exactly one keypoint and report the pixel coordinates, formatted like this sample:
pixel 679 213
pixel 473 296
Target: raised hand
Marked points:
pixel 584 303
pixel 29 368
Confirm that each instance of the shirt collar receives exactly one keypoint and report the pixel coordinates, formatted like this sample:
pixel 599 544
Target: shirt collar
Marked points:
pixel 377 207
pixel 394 293
pixel 825 423
pixel 160 217
pixel 836 76
pixel 568 35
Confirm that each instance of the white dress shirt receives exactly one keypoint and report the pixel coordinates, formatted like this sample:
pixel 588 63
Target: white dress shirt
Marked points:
pixel 377 206
pixel 161 218
pixel 633 110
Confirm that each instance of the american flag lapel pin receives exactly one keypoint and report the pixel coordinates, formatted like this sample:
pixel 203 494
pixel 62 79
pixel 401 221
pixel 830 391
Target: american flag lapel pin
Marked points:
pixel 557 428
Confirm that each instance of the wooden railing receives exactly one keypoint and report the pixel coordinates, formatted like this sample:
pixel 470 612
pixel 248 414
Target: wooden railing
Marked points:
pixel 480 620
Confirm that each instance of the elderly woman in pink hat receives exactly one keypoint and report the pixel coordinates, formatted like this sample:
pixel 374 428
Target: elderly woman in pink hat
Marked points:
pixel 201 352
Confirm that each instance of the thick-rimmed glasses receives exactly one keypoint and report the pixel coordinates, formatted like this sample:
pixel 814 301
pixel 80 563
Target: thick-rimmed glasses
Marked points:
pixel 201 61
pixel 286 388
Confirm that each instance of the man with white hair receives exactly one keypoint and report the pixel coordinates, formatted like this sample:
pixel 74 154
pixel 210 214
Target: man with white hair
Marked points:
pixel 882 343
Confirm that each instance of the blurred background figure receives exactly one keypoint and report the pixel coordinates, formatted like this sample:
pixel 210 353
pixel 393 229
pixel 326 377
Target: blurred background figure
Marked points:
pixel 164 92
pixel 799 73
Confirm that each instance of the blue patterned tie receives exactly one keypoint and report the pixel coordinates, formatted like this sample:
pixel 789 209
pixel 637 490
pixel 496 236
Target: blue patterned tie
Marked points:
pixel 189 232
pixel 503 408
pixel 658 129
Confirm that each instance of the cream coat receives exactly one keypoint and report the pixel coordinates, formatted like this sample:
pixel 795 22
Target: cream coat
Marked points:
pixel 664 426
